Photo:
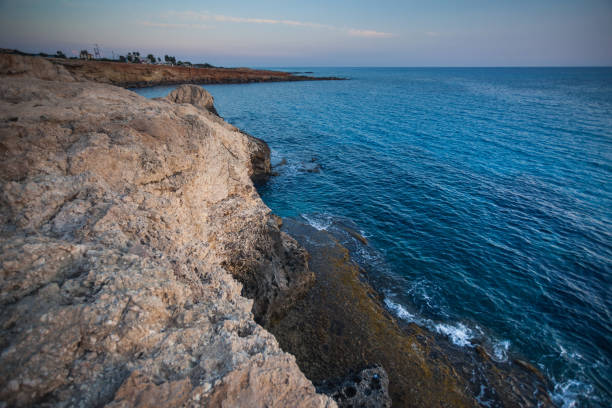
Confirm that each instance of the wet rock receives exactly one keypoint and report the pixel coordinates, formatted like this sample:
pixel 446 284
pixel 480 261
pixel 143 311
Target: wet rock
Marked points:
pixel 368 388
pixel 310 167
pixel 356 235
pixel 340 325
pixel 283 162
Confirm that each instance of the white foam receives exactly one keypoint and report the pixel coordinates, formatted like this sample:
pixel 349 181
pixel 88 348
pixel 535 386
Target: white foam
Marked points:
pixel 365 254
pixel 500 351
pixel 566 394
pixel 481 395
pixel 400 311
pixel 319 221
pixel 459 334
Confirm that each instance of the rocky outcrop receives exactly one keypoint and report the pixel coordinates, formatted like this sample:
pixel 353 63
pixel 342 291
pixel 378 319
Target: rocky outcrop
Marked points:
pixel 121 219
pixel 368 388
pixel 140 75
pixel 259 165
pixel 194 95
pixel 37 67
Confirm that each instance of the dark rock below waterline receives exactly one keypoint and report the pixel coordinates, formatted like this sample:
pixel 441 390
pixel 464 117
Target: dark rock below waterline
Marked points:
pixel 340 326
pixel 337 328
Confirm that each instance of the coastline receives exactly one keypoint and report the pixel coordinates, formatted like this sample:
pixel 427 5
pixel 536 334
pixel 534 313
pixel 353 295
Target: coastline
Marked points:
pixel 129 75
pixel 342 325
pixel 432 379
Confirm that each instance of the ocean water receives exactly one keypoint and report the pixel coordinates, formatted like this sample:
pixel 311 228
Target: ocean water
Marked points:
pixel 485 195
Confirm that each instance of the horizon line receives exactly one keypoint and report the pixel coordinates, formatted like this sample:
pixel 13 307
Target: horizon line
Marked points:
pixel 421 66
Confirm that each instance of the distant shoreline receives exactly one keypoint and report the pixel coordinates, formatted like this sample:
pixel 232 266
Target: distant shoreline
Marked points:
pixel 138 75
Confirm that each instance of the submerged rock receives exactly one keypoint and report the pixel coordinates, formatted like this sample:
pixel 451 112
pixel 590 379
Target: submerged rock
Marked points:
pixel 122 221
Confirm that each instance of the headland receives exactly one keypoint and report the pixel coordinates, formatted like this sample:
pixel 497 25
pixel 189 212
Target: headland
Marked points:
pixel 140 267
pixel 130 75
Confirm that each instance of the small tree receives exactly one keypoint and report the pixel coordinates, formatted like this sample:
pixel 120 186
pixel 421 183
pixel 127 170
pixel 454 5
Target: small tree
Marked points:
pixel 151 58
pixel 170 59
pixel 60 54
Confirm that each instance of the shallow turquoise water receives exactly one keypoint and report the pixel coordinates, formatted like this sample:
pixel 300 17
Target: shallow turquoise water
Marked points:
pixel 485 194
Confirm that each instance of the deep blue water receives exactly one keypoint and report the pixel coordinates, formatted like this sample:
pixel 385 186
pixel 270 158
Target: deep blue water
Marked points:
pixel 486 196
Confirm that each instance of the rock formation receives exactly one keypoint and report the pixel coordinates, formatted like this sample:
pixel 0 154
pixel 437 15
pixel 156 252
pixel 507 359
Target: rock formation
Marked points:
pixel 194 95
pixel 121 219
pixel 368 388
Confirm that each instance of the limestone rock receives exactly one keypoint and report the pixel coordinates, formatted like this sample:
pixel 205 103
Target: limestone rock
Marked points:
pixel 259 165
pixel 17 65
pixel 121 219
pixel 195 95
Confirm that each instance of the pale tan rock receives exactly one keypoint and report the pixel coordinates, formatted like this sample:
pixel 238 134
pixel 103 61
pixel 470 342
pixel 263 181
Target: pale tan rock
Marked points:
pixel 17 65
pixel 194 95
pixel 121 219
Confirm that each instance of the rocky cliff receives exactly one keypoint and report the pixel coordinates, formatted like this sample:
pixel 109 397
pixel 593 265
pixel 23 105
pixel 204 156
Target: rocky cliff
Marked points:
pixel 122 221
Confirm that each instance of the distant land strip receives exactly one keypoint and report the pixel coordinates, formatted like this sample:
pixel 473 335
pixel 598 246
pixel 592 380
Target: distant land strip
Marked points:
pixel 140 75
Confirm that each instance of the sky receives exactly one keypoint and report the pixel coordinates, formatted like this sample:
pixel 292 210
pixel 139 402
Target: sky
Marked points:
pixel 285 33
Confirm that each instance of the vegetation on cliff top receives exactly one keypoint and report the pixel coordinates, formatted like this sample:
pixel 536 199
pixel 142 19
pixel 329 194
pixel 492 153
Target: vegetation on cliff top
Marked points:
pixel 131 57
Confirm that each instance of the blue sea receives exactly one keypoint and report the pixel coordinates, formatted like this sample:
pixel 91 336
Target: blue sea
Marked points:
pixel 485 195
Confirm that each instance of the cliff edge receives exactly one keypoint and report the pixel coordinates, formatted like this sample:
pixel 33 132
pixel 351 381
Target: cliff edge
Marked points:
pixel 122 222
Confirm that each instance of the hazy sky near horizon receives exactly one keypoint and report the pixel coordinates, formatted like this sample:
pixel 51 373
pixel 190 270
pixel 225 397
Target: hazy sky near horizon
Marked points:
pixel 320 32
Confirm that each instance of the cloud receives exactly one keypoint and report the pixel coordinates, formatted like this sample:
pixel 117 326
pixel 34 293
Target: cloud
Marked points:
pixel 205 16
pixel 222 18
pixel 368 33
pixel 230 19
pixel 173 25
pixel 432 33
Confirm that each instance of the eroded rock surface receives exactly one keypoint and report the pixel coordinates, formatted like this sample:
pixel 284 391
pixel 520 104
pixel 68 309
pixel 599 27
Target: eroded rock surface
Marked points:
pixel 121 219
pixel 195 95
pixel 368 388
